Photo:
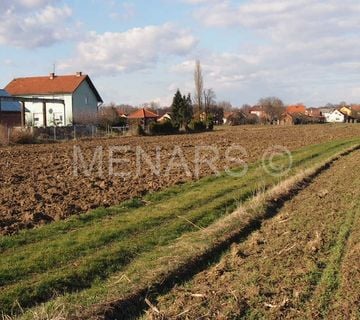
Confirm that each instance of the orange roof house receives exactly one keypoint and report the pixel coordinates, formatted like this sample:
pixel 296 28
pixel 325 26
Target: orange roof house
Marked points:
pixel 296 109
pixel 143 114
pixel 78 92
pixel 142 117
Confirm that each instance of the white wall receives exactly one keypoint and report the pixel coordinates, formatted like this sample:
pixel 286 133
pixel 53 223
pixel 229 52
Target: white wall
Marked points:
pixel 53 111
pixel 335 116
pixel 82 101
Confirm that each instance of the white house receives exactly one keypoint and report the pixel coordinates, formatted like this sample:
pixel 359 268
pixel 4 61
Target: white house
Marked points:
pixel 81 99
pixel 334 116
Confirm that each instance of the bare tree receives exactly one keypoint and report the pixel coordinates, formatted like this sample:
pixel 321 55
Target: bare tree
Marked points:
pixel 199 87
pixel 225 105
pixel 245 108
pixel 273 107
pixel 209 99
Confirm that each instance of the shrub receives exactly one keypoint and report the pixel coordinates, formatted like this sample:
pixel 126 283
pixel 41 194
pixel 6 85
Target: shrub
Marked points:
pixel 22 137
pixel 197 125
pixel 140 130
pixel 210 125
pixel 3 135
pixel 163 128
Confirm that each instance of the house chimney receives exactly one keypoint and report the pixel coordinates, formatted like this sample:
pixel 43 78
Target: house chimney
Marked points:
pixel 52 75
pixel 79 74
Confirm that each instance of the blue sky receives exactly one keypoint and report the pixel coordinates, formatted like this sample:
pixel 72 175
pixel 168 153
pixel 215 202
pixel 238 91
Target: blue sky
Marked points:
pixel 141 51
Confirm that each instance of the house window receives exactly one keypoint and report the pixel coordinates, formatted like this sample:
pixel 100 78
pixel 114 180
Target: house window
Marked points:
pixel 86 100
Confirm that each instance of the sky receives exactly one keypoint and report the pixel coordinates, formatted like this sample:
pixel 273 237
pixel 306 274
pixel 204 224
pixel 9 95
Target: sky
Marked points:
pixel 302 51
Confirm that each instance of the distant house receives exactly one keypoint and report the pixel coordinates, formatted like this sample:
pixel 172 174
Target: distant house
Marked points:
pixel 10 111
pixel 351 113
pixel 165 117
pixel 326 112
pixel 355 107
pixel 299 118
pixel 299 109
pixel 227 117
pixel 81 99
pixel 335 116
pixel 287 119
pixel 239 117
pixel 259 111
pixel 314 112
pixel 121 114
pixel 292 118
pixel 142 117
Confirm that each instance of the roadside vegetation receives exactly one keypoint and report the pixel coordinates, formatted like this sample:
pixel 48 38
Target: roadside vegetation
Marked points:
pixel 83 257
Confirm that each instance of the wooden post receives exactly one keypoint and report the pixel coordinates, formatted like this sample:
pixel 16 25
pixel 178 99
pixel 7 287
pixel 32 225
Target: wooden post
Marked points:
pixel 44 114
pixel 22 113
pixel 64 115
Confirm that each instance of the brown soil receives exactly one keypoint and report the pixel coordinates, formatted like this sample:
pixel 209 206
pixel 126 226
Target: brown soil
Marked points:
pixel 276 272
pixel 37 184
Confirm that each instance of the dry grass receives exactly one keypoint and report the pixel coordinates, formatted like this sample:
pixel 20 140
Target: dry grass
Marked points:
pixel 51 311
pixel 22 136
pixel 3 135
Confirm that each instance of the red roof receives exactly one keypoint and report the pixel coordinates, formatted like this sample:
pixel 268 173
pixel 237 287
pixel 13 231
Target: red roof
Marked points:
pixel 355 107
pixel 142 114
pixel 296 109
pixel 48 85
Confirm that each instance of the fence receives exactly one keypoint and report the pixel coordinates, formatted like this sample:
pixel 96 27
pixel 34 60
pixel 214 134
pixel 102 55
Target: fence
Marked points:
pixel 7 134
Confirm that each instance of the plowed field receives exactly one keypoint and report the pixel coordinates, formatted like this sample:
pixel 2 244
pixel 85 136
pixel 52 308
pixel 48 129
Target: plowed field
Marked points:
pixel 37 184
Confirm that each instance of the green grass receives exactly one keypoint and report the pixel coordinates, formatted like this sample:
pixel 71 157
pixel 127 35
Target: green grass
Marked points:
pixel 330 278
pixel 81 252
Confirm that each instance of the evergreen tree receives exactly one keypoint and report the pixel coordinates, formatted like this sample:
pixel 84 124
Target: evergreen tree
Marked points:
pixel 188 110
pixel 176 109
pixel 182 110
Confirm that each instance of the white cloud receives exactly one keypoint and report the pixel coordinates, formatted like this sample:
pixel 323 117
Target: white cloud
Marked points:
pixel 296 46
pixel 34 23
pixel 24 4
pixel 134 49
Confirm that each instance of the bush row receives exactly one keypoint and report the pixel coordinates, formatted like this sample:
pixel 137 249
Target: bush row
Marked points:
pixel 168 127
